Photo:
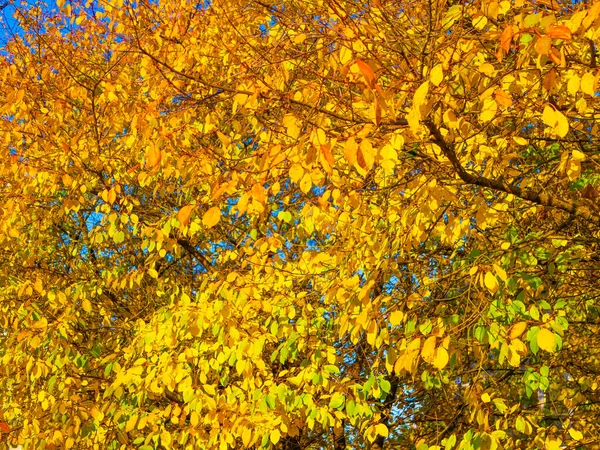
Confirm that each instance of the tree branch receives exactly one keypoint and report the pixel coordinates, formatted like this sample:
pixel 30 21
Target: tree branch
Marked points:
pixel 583 208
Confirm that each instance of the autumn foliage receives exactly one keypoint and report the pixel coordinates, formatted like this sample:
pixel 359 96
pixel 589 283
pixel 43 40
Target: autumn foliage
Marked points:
pixel 300 225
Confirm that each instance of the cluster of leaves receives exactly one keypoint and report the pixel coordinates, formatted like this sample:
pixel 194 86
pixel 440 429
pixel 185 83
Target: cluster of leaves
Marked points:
pixel 300 225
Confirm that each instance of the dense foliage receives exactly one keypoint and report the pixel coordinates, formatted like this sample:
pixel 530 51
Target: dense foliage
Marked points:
pixel 300 225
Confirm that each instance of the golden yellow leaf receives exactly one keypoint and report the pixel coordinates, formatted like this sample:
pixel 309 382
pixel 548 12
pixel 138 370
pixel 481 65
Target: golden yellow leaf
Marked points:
pixel 428 350
pixel 546 340
pixel 381 429
pixel 396 318
pixel 575 434
pixel 86 305
pixel 420 95
pixel 296 172
pixel 549 116
pixel 490 281
pixel 441 358
pixel 130 425
pixel 351 151
pixel 183 215
pixel 518 329
pixel 275 436
pixel 588 84
pixel 562 125
pixel 573 84
pixel 437 75
pixel 211 217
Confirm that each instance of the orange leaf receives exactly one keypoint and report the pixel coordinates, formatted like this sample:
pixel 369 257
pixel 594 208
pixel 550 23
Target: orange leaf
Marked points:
pixel 560 32
pixel 211 217
pixel 543 45
pixel 366 71
pixel 506 37
pixel 184 215
pixel 555 56
pixel 152 156
pixel 4 428
pixel 327 158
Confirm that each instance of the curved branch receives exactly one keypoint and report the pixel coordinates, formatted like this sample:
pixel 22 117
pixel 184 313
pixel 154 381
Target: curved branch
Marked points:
pixel 583 208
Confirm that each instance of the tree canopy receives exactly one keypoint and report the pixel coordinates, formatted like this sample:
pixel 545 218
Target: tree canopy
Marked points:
pixel 300 225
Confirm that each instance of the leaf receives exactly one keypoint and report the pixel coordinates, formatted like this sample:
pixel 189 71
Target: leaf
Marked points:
pixel 428 350
pixel 559 32
pixel 562 124
pixel 211 217
pixel 337 401
pixel 130 425
pixel 546 340
pixel 576 435
pixel 86 305
pixel 441 358
pixel 366 71
pixel 275 436
pixel 183 215
pixel 549 116
pixel 588 82
pixel 396 318
pixel 421 94
pixel 437 75
pixel 491 283
pixel 506 37
pixel 381 430
pixel 296 173
pixel 543 45
pixel 518 329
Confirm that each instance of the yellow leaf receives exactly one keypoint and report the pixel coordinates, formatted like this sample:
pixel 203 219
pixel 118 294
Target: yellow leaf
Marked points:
pixel 396 318
pixel 420 94
pixel 518 329
pixel 437 75
pixel 296 172
pixel 577 156
pixel 428 350
pixel 246 437
pixel 587 84
pixel 485 397
pixel 381 430
pixel 576 435
pixel 546 340
pixel 184 215
pixel 211 217
pixel 351 151
pixel 500 272
pixel 130 425
pixel 520 140
pixel 306 183
pixel 275 436
pixel 86 305
pixel 490 282
pixel 549 116
pixel 38 286
pixel 573 84
pixel 562 124
pixel 441 358
pixel 488 110
pixel 194 419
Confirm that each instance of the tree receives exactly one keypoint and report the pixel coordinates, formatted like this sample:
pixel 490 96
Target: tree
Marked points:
pixel 301 225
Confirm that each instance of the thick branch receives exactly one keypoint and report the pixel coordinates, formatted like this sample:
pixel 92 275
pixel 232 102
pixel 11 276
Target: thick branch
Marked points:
pixel 583 208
